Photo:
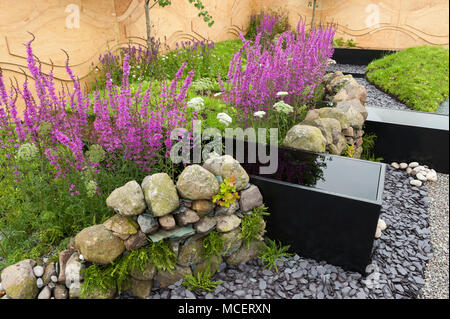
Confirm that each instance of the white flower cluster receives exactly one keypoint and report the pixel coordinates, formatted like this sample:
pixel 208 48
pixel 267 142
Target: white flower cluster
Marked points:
pixel 259 114
pixel 203 84
pixel 27 152
pixel 224 118
pixel 196 103
pixel 91 188
pixel 282 107
pixel 282 93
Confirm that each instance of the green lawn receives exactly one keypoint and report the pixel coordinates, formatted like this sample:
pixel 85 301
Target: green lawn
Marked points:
pixel 417 76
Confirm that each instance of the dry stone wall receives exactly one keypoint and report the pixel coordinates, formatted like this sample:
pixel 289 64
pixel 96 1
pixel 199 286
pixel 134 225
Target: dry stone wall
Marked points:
pixel 180 213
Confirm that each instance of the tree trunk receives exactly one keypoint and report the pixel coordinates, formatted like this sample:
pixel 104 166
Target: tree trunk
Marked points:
pixel 314 14
pixel 147 22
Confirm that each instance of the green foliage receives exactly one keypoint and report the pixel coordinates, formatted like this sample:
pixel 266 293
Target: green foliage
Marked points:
pixel 162 257
pixel 341 42
pixel 349 151
pixel 213 245
pixel 281 25
pixel 271 252
pixel 116 274
pixel 252 225
pixel 368 145
pixel 417 76
pixel 227 194
pixel 201 282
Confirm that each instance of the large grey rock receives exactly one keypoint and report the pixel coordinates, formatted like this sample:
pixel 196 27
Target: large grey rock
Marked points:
pixel 195 182
pixel 49 271
pixel 19 281
pixel 99 245
pixel 227 167
pixel 356 104
pixel 160 194
pixel 148 223
pixel 223 210
pixel 127 200
pixel 227 223
pixel 305 137
pixel 191 252
pixel 250 198
pixel 166 278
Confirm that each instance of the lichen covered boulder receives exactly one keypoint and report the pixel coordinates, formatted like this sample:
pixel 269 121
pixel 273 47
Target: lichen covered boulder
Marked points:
pixel 332 112
pixel 127 200
pixel 244 253
pixel 19 281
pixel 227 167
pixel 121 225
pixel 160 194
pixel 166 278
pixel 98 244
pixel 305 137
pixel 195 183
pixel 191 252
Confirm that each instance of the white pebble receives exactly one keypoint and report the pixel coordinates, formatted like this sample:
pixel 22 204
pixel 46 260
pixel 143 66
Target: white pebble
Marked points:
pixel 418 169
pixel 413 164
pixel 45 259
pixel 409 170
pixel 45 293
pixel 431 176
pixel 381 224
pixel 378 233
pixel 416 182
pixel 421 177
pixel 403 165
pixel 40 283
pixel 54 278
pixel 38 271
pixel 81 257
pixel 395 165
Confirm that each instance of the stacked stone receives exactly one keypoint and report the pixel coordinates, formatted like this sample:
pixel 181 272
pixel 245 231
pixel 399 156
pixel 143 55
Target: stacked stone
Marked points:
pixel 158 209
pixel 333 129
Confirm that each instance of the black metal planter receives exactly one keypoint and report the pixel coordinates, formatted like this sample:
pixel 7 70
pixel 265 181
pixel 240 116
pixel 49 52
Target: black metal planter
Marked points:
pixel 405 136
pixel 326 207
pixel 358 56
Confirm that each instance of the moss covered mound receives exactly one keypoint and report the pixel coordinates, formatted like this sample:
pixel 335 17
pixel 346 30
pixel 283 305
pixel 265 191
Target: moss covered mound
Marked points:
pixel 417 76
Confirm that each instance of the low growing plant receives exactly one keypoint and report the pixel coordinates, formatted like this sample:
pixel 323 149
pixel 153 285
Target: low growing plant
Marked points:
pixel 271 252
pixel 253 225
pixel 367 154
pixel 213 245
pixel 200 282
pixel 227 194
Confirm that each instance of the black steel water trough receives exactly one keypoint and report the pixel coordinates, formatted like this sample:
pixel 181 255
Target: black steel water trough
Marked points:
pixel 326 207
pixel 358 56
pixel 405 136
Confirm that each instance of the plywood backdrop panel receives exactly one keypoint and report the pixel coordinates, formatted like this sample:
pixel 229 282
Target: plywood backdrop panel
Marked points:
pixel 110 24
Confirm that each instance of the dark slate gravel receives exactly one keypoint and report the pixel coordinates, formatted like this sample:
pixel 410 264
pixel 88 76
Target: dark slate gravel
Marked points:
pixel 347 68
pixel 397 271
pixel 378 98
